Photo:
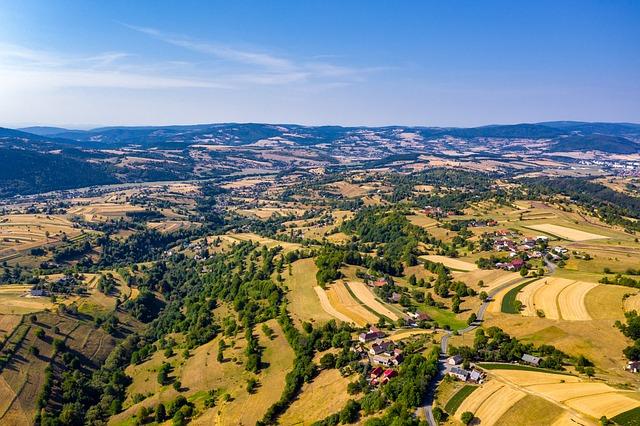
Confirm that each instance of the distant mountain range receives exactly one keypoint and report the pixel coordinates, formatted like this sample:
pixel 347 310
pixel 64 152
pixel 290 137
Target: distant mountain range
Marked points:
pixel 119 154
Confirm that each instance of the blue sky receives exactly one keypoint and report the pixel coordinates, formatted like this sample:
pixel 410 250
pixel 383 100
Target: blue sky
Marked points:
pixel 447 63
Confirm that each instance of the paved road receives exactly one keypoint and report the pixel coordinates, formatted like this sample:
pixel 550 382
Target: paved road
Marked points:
pixel 427 402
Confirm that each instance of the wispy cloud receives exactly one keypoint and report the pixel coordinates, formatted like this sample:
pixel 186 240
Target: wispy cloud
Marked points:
pixel 23 68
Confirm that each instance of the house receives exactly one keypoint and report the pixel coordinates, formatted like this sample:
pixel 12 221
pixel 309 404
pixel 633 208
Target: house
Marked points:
pixel 381 347
pixel 459 373
pixel 454 360
pixel 389 373
pixel 371 335
pixel 530 359
pixel 395 297
pixel 38 292
pixel 517 263
pixel 376 372
pixel 380 282
pixel 633 366
pixel 476 376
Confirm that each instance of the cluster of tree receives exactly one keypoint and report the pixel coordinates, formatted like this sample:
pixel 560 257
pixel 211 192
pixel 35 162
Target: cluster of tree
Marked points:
pixel 621 280
pixel 613 207
pixel 496 345
pixel 71 251
pixel 632 330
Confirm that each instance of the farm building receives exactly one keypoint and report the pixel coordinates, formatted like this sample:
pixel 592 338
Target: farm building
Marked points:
pixel 454 360
pixel 371 335
pixel 633 366
pixel 381 347
pixel 530 359
pixel 459 373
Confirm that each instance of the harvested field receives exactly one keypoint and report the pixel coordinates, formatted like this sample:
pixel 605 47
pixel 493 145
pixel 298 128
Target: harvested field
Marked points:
pixel 557 298
pixel 490 401
pixel 327 307
pixel 362 292
pixel 565 233
pixel 592 399
pixel 452 263
pixel 327 394
pixel 492 278
pixel 342 301
pixel 169 225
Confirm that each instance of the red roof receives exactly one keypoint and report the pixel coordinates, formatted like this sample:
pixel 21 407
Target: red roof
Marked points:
pixel 376 371
pixel 390 373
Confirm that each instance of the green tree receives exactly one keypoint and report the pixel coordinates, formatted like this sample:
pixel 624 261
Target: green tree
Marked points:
pixel 467 417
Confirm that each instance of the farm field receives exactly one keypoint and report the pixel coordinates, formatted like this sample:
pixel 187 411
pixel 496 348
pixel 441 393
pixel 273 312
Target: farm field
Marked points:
pixel 565 232
pixel 342 301
pixel 594 339
pixel 490 401
pixel 455 264
pixel 364 294
pixel 592 399
pixel 328 307
pixel 104 211
pixel 268 242
pixel 556 298
pixel 14 300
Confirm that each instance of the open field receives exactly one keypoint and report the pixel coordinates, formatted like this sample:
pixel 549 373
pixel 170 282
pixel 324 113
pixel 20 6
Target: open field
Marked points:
pixel 22 232
pixel 556 298
pixel 592 399
pixel 328 307
pixel 598 340
pixel 456 264
pixel 490 401
pixel 14 300
pixel 22 379
pixel 270 243
pixel 326 394
pixel 104 211
pixel 605 301
pixel 565 233
pixel 169 225
pixel 422 220
pixel 362 292
pixel 304 303
pixel 8 323
pixel 520 413
pixel 341 300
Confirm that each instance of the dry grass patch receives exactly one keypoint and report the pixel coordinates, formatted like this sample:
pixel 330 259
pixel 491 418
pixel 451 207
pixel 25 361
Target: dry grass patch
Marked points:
pixel 327 394
pixel 328 307
pixel 304 303
pixel 605 301
pixel 531 411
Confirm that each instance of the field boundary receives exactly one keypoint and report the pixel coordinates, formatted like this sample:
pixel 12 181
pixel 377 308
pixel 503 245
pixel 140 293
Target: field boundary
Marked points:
pixel 458 398
pixel 628 418
pixel 508 301
pixel 501 366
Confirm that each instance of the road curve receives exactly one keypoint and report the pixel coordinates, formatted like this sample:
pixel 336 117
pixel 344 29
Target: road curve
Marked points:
pixel 427 402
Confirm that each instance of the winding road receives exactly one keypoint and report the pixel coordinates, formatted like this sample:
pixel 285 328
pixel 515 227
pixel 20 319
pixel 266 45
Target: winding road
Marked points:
pixel 427 402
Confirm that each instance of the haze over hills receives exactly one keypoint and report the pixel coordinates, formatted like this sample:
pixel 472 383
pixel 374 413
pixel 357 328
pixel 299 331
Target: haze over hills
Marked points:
pixel 51 158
